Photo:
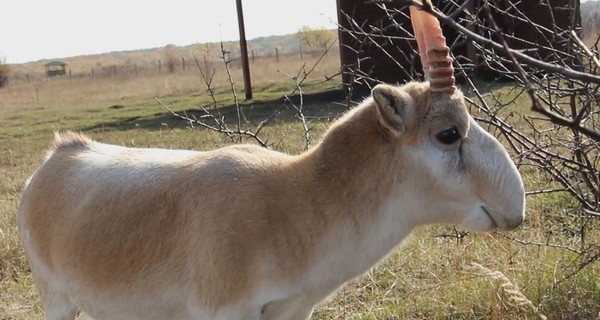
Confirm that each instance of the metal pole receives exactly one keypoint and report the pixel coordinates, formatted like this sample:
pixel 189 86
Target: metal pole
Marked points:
pixel 244 51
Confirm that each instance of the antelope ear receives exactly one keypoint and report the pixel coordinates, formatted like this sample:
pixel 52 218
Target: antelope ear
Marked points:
pixel 392 107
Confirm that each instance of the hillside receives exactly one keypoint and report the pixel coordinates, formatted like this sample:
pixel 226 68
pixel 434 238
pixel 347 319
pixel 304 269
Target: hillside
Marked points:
pixel 149 58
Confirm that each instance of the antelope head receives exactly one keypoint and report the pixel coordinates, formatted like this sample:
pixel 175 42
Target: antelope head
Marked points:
pixel 466 166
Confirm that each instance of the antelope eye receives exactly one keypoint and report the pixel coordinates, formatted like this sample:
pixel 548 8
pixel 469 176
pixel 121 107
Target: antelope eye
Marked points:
pixel 448 136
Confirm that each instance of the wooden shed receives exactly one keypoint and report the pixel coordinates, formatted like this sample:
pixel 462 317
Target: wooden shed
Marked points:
pixel 376 44
pixel 55 68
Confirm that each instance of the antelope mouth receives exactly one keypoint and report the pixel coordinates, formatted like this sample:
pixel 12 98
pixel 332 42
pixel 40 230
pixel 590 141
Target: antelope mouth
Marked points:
pixel 501 221
pixel 491 217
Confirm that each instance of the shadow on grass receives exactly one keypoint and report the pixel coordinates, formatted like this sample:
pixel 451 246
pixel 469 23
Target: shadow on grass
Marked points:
pixel 322 105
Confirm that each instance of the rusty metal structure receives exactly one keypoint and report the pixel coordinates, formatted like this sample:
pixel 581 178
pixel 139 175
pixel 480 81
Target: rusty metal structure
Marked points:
pixel 376 41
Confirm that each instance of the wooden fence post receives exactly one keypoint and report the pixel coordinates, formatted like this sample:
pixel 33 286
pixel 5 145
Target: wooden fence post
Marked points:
pixel 277 54
pixel 159 66
pixel 244 52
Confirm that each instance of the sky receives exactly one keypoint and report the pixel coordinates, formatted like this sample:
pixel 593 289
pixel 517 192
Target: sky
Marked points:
pixel 32 30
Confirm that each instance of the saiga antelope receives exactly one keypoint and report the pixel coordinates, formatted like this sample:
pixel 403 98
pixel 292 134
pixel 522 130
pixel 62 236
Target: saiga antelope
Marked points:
pixel 247 233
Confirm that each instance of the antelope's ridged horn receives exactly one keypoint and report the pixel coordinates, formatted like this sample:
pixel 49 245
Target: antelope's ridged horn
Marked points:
pixel 435 54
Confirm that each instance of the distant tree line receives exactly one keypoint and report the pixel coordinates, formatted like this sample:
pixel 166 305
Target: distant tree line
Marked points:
pixel 316 37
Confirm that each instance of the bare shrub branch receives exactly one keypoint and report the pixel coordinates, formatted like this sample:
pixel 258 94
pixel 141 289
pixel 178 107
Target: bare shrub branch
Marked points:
pixel 556 139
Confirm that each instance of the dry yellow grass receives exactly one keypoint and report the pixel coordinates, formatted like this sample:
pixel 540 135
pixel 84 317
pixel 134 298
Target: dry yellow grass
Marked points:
pixel 267 75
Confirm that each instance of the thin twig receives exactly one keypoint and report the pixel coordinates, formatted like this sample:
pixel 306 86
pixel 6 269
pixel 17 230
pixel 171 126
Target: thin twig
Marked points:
pixel 539 244
pixel 585 48
pixel 229 133
pixel 226 61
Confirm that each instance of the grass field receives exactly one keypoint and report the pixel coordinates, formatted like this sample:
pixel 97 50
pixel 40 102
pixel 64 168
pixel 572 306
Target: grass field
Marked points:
pixel 439 273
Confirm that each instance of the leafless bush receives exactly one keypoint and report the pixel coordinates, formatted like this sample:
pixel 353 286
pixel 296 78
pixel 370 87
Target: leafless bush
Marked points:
pixel 212 118
pixel 555 74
